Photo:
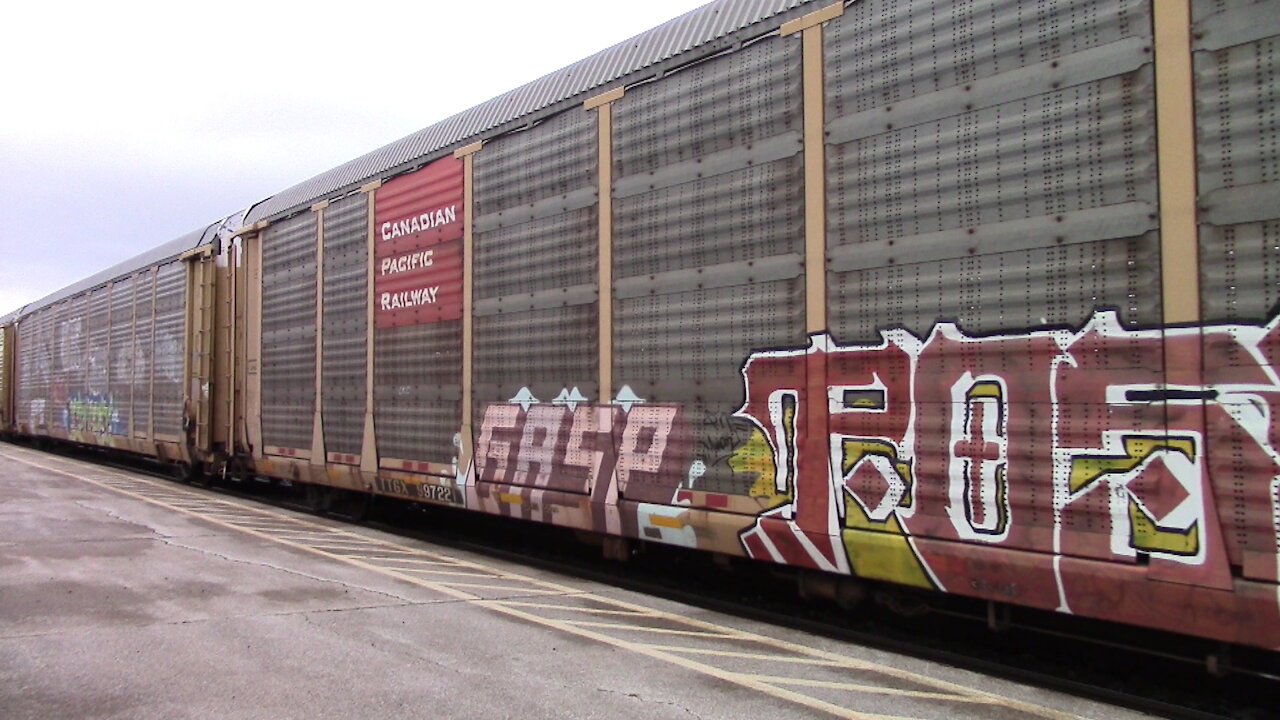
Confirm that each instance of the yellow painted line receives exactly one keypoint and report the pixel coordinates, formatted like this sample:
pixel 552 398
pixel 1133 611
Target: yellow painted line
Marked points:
pixel 414 561
pixel 341 547
pixel 501 588
pixel 659 631
pixel 642 649
pixel 653 651
pixel 454 573
pixel 764 657
pixel 572 608
pixel 510 498
pixel 855 664
pixel 872 689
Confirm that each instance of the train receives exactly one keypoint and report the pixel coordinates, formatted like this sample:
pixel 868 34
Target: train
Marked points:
pixel 974 298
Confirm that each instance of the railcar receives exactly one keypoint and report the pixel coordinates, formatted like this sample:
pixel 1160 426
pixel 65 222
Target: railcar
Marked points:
pixel 972 297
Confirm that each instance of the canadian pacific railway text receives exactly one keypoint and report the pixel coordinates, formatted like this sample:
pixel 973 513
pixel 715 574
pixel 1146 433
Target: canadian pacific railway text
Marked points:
pixel 418 223
pixel 407 262
pixel 409 298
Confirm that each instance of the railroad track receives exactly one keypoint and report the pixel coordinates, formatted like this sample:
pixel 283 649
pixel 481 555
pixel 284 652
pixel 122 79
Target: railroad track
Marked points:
pixel 685 579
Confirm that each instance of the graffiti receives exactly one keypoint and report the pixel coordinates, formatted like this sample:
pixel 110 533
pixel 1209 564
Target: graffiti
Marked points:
pixel 1059 443
pixel 1062 469
pixel 93 413
pixel 576 449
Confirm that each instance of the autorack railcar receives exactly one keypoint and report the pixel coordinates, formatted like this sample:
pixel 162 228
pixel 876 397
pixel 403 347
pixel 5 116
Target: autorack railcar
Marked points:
pixel 974 297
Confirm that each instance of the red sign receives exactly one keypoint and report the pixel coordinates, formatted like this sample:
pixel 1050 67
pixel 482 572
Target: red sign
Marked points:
pixel 418 264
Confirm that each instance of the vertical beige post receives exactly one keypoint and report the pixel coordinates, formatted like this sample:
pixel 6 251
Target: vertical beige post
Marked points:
pixel 1176 139
pixel 603 105
pixel 369 441
pixel 253 338
pixel 466 446
pixel 815 164
pixel 318 455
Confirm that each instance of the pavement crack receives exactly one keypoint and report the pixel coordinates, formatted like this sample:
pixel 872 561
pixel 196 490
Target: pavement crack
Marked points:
pixel 114 515
pixel 649 701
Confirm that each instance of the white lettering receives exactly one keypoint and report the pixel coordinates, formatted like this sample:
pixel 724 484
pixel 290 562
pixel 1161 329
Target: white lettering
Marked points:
pixel 409 298
pixel 419 223
pixel 407 262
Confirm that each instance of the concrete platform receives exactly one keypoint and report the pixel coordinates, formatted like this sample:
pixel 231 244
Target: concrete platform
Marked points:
pixel 123 596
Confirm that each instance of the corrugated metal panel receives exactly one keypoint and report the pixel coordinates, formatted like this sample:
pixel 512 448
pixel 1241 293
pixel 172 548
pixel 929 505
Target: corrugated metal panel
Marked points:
pixel 991 162
pixel 6 370
pixel 70 342
pixel 6 347
pixel 535 286
pixel 346 298
pixel 1237 94
pixel 121 337
pixel 669 44
pixel 97 358
pixel 418 391
pixel 1055 286
pixel 554 158
pixel 35 363
pixel 1237 62
pixel 418 337
pixel 144 347
pixel 168 349
pixel 708 241
pixel 418 254
pixel 89 406
pixel 289 332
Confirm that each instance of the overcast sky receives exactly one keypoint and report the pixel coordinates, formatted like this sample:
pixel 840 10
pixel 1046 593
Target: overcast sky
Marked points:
pixel 127 124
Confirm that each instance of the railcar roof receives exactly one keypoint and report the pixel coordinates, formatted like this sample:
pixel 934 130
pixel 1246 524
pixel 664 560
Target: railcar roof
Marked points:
pixel 697 33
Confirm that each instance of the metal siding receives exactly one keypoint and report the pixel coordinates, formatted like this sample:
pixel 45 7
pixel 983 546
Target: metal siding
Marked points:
pixel 708 247
pixel 419 248
pixel 346 304
pixel 144 344
pixel 6 365
pixel 289 332
pixel 120 371
pixel 91 409
pixel 536 262
pixel 70 346
pixel 537 256
pixel 1238 141
pixel 169 345
pixel 1052 286
pixel 552 158
pixel 659 47
pixel 993 163
pixel 1237 93
pixel 35 363
pixel 418 391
